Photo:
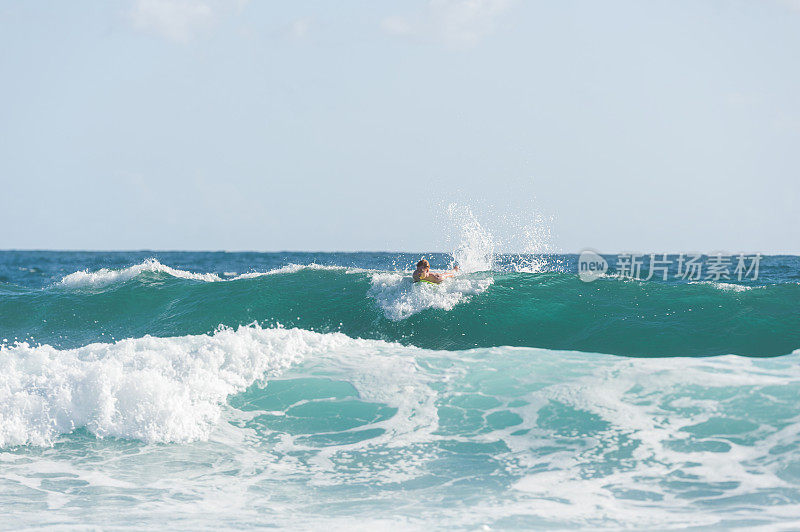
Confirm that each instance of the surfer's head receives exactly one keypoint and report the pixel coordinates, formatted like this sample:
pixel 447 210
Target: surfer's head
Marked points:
pixel 423 265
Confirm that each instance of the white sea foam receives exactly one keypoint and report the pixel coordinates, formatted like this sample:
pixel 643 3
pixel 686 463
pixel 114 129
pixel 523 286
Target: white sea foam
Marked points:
pixel 399 297
pixel 728 287
pixel 106 276
pixel 600 441
pixel 656 404
pixel 151 389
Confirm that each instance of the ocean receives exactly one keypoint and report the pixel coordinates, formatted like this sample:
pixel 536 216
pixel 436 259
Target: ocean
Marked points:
pixel 207 390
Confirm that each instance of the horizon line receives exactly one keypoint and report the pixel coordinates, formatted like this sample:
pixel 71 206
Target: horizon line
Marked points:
pixel 627 251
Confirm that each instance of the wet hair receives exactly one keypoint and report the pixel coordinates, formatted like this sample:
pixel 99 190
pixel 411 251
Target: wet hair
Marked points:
pixel 422 264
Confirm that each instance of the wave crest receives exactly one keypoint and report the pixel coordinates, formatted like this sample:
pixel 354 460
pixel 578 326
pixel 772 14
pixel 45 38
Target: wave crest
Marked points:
pixel 107 276
pixel 151 389
pixel 399 297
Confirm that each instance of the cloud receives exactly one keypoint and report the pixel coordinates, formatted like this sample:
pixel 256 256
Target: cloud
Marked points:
pixel 180 20
pixel 456 23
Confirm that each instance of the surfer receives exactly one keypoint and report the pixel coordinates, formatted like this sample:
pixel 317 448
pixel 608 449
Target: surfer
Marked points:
pixel 423 273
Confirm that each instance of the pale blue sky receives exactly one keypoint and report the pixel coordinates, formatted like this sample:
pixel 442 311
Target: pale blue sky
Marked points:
pixel 640 126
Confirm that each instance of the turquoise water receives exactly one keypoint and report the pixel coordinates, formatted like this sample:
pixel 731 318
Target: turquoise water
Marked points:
pixel 197 390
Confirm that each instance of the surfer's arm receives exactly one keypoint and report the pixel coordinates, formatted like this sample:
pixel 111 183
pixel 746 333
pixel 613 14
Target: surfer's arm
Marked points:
pixel 450 273
pixel 441 276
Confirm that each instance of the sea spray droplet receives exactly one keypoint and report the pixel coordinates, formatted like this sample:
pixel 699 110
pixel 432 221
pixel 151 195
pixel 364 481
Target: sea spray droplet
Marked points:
pixel 475 249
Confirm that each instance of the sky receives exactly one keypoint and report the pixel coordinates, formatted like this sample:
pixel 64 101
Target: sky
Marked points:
pixel 657 126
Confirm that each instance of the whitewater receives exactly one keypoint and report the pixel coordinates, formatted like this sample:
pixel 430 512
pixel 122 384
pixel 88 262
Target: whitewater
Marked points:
pixel 306 390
